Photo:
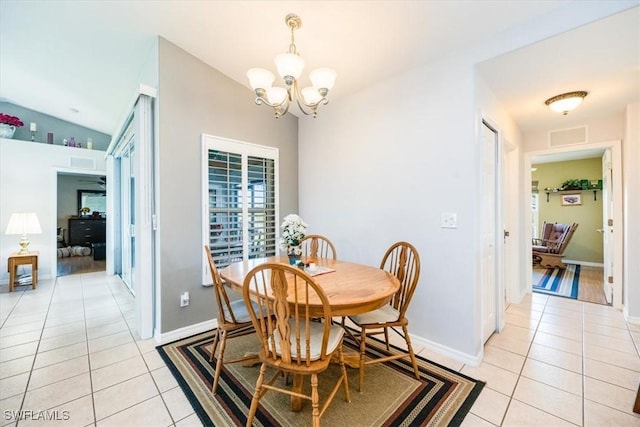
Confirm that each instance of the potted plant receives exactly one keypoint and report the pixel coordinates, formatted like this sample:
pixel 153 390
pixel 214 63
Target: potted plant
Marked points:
pixel 8 125
pixel 571 184
pixel 293 230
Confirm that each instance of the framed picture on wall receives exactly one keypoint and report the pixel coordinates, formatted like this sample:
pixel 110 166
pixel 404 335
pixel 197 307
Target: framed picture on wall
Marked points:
pixel 571 199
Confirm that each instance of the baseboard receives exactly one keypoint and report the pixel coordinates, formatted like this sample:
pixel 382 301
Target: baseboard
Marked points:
pixel 584 263
pixel 448 351
pixel 187 331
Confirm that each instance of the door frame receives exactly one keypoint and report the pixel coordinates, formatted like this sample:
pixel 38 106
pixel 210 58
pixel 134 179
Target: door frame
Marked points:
pixel 566 153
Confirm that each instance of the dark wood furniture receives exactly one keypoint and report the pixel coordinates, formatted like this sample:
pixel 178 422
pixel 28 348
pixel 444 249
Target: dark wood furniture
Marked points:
pixel 85 231
pixel 548 251
pixel 16 259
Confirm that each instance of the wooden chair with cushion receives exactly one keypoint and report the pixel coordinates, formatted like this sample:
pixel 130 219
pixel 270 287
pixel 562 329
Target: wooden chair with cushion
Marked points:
pixel 233 321
pixel 290 341
pixel 403 261
pixel 548 250
pixel 317 246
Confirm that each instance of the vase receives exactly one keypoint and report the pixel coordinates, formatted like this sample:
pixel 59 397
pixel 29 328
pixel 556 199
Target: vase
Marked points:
pixel 7 131
pixel 294 253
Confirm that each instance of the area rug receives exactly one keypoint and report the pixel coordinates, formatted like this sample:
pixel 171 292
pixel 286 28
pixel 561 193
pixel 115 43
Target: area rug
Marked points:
pixel 392 396
pixel 554 281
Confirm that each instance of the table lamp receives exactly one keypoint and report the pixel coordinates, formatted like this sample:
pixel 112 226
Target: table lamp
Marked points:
pixel 23 223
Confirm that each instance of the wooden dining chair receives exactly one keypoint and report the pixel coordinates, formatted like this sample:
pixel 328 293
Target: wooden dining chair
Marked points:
pixel 233 321
pixel 291 342
pixel 318 246
pixel 403 261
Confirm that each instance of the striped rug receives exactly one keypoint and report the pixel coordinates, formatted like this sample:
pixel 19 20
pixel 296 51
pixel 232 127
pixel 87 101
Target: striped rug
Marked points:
pixel 392 395
pixel 554 281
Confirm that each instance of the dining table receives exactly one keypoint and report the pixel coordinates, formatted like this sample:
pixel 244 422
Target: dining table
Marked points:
pixel 351 289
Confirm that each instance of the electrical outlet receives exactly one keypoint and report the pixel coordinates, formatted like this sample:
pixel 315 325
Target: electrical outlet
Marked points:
pixel 184 299
pixel 449 220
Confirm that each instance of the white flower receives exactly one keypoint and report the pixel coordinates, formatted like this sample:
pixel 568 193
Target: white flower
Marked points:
pixel 293 230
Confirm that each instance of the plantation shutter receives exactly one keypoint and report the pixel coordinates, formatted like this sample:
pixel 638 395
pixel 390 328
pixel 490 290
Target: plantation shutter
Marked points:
pixel 240 201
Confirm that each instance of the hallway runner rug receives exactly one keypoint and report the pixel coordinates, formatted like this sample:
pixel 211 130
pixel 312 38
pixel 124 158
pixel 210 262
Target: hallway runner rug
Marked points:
pixel 554 281
pixel 392 396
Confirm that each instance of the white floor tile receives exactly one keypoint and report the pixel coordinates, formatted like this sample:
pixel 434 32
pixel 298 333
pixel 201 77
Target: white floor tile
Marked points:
pixel 550 399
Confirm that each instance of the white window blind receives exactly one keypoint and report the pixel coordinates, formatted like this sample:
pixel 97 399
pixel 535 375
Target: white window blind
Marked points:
pixel 240 189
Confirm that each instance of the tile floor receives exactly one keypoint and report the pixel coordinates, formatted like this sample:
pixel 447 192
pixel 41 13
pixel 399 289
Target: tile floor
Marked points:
pixel 67 352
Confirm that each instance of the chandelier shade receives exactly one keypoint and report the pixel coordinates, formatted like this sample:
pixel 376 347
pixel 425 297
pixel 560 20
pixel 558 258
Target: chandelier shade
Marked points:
pixel 290 66
pixel 260 78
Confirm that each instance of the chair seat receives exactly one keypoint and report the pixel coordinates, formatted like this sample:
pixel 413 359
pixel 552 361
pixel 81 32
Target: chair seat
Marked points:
pixel 382 315
pixel 240 311
pixel 317 331
pixel 538 248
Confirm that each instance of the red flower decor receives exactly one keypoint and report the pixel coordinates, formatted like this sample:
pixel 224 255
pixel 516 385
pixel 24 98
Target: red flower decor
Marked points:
pixel 10 120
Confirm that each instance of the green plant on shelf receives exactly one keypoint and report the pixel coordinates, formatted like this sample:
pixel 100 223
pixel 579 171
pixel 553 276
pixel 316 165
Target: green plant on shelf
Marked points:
pixel 571 184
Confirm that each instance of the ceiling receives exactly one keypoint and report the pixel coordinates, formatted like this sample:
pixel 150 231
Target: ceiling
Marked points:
pixel 79 61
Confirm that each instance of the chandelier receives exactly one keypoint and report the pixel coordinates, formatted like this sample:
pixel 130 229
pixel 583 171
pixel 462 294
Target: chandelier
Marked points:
pixel 290 66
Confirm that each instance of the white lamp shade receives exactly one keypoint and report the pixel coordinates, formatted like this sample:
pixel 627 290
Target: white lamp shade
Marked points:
pixel 259 78
pixel 566 104
pixel 289 64
pixel 311 95
pixel 23 223
pixel 276 95
pixel 323 78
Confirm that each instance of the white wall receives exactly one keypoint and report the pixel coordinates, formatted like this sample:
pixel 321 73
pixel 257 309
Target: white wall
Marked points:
pixel 28 184
pixel 375 173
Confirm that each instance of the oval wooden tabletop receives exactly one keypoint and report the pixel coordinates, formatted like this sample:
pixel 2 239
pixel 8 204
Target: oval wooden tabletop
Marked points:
pixel 351 289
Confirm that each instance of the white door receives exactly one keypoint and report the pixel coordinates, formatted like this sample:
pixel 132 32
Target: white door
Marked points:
pixel 488 224
pixel 607 224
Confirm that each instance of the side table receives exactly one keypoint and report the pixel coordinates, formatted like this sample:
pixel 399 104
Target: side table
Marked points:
pixel 16 259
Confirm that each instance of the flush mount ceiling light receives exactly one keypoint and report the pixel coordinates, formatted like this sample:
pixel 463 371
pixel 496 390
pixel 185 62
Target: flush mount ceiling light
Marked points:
pixel 290 67
pixel 565 102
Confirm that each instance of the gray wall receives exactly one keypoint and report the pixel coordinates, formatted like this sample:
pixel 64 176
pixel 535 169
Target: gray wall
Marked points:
pixel 60 128
pixel 205 102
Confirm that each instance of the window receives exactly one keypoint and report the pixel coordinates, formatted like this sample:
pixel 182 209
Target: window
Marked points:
pixel 240 191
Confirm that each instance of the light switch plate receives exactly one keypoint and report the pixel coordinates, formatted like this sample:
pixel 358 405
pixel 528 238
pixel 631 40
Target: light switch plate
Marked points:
pixel 449 220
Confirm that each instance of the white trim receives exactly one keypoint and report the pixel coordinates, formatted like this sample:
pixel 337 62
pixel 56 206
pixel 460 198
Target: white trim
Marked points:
pixel 185 332
pixel 443 350
pixel 618 218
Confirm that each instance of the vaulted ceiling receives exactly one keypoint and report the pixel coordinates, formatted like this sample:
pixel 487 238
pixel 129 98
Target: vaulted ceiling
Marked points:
pixel 79 61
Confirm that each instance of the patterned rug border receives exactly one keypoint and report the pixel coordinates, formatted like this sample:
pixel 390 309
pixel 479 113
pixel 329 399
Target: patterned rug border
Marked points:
pixel 205 338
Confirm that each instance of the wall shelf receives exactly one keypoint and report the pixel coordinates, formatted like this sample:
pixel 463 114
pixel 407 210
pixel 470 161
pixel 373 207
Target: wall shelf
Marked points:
pixel 595 192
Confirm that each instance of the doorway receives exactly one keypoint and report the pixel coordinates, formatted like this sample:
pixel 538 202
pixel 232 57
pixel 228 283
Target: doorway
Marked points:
pixel 604 283
pixel 80 236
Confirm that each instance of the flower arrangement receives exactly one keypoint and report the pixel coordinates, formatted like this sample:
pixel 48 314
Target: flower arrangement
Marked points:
pixel 10 120
pixel 293 231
